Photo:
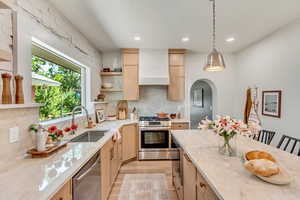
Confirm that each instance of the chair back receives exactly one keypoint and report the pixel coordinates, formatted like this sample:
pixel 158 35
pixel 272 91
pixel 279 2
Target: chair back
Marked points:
pixel 265 136
pixel 288 143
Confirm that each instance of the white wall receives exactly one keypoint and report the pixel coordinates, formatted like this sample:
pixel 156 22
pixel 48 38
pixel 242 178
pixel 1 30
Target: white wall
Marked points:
pixel 224 82
pixel 41 20
pixel 274 64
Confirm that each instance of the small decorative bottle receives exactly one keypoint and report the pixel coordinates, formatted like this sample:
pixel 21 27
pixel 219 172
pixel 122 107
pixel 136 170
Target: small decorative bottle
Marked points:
pixel 19 89
pixel 6 92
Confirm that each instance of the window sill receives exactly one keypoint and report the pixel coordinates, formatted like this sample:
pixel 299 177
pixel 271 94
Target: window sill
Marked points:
pixel 19 106
pixel 59 120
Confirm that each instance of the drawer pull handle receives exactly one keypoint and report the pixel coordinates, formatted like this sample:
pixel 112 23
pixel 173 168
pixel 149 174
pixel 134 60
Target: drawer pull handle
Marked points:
pixel 202 185
pixel 187 157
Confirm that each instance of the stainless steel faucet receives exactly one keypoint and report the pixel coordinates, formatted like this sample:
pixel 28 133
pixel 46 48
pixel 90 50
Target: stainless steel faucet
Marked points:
pixel 73 115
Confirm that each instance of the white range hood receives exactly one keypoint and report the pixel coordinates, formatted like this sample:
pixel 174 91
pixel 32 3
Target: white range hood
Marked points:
pixel 153 67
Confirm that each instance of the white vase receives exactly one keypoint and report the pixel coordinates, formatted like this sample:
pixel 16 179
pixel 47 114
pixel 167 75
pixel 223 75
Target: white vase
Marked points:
pixel 41 138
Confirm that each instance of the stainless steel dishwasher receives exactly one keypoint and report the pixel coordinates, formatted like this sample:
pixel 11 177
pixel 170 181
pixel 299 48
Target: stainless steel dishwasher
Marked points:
pixel 86 183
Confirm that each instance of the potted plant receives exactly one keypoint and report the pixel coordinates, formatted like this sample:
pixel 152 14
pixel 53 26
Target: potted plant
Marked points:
pixel 48 135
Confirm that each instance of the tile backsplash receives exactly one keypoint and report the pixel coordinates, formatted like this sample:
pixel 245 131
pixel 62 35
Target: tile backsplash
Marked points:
pixel 153 99
pixel 20 118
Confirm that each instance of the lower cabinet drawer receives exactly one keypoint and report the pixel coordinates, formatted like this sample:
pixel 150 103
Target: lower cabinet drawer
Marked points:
pixel 65 193
pixel 204 192
pixel 180 126
pixel 178 187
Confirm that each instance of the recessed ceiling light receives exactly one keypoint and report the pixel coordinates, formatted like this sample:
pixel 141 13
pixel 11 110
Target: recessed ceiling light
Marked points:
pixel 185 39
pixel 137 38
pixel 230 39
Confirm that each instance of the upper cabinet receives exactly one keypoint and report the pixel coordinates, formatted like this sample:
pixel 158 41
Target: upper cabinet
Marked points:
pixel 176 88
pixel 130 74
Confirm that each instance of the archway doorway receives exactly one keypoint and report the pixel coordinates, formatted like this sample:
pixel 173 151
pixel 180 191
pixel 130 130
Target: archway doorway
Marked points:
pixel 201 102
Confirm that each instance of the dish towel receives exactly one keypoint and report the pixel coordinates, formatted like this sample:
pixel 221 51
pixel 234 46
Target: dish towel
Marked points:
pixel 254 120
pixel 248 106
pixel 117 135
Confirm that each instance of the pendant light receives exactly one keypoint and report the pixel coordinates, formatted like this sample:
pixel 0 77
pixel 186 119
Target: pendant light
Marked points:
pixel 215 60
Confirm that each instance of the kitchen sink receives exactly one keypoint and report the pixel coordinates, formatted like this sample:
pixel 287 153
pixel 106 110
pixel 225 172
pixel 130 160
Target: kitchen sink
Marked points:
pixel 89 136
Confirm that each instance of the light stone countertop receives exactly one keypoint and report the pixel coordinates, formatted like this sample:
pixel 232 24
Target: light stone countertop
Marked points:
pixel 227 176
pixel 40 178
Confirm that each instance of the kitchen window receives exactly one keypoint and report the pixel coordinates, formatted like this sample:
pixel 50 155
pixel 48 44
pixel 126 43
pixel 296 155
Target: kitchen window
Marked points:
pixel 57 83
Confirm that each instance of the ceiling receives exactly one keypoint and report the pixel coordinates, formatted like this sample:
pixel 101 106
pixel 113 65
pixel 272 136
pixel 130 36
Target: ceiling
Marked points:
pixel 111 24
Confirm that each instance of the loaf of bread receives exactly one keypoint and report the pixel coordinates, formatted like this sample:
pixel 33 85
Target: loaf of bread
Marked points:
pixel 262 167
pixel 252 155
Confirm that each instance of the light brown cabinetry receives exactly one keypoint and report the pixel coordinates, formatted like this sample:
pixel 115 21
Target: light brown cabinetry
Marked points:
pixel 204 192
pixel 194 185
pixel 176 88
pixel 129 142
pixel 115 159
pixel 130 74
pixel 110 165
pixel 180 125
pixel 106 180
pixel 65 193
pixel 189 179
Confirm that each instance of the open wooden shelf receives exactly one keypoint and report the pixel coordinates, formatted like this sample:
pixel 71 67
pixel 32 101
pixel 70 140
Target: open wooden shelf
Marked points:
pixel 111 90
pixel 5 56
pixel 111 73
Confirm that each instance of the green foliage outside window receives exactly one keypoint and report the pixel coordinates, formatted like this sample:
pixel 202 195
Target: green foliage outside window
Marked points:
pixel 58 100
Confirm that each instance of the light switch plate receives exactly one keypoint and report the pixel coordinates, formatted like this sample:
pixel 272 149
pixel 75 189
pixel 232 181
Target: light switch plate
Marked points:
pixel 13 134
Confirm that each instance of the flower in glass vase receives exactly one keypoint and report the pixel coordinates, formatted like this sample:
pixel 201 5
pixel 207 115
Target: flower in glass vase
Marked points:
pixel 227 128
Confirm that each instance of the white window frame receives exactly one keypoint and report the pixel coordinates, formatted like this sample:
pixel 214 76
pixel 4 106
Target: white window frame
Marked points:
pixel 85 77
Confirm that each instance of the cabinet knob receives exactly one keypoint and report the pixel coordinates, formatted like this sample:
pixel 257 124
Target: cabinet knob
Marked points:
pixel 202 185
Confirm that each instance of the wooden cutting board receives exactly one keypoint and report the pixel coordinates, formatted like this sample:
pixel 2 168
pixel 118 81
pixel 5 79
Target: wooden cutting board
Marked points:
pixel 49 150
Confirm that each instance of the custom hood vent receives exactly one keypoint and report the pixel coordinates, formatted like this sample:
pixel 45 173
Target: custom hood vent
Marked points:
pixel 154 67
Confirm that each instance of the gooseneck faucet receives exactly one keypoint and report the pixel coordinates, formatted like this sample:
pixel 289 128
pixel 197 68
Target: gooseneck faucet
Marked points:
pixel 73 115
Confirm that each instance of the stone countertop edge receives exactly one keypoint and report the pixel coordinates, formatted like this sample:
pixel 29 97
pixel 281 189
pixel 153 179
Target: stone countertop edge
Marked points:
pixel 112 126
pixel 198 167
pixel 8 187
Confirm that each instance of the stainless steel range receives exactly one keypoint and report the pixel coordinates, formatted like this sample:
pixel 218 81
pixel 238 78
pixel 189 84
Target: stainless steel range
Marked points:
pixel 155 142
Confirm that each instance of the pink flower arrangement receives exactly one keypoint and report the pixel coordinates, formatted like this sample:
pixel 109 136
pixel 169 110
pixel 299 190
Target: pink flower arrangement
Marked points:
pixel 227 127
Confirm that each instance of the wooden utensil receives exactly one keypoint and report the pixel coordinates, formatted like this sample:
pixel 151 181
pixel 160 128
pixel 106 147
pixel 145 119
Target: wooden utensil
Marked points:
pixel 6 92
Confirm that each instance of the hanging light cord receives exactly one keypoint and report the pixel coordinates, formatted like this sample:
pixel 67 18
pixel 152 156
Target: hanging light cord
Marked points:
pixel 214 24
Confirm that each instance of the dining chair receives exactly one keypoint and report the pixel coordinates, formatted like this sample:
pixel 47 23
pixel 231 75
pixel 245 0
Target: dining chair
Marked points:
pixel 265 136
pixel 289 140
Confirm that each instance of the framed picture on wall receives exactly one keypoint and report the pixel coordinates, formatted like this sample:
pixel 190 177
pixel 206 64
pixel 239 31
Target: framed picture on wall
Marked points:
pixel 271 103
pixel 99 115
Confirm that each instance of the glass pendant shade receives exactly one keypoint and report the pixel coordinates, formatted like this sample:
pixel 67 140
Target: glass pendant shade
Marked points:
pixel 215 62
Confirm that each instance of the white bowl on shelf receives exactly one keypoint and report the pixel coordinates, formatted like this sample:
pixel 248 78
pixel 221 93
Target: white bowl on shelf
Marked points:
pixel 107 85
